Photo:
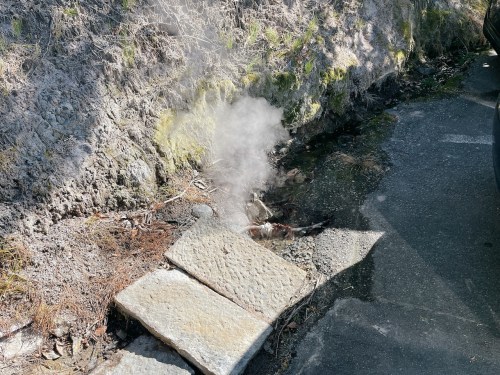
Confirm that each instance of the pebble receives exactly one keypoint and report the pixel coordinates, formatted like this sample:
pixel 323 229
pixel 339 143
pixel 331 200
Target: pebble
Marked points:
pixel 202 211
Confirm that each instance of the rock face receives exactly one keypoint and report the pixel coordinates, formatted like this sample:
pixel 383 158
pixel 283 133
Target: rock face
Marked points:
pixel 210 331
pixel 238 268
pixel 146 355
pixel 94 121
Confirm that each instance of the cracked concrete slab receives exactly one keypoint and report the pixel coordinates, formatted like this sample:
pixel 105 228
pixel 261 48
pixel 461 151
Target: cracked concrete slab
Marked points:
pixel 210 331
pixel 238 268
pixel 145 355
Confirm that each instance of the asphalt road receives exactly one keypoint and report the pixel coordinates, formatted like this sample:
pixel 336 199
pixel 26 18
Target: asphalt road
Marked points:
pixel 435 288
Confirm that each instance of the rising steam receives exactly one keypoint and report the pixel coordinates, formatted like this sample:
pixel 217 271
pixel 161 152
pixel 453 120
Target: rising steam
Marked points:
pixel 246 132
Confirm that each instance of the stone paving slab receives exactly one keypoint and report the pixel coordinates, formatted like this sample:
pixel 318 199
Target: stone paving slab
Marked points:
pixel 207 329
pixel 238 268
pixel 145 355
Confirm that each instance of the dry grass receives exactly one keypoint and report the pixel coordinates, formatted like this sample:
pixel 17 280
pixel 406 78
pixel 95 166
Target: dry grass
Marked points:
pixel 13 255
pixel 124 255
pixel 14 287
pixel 128 254
pixel 43 316
pixel 108 287
pixel 192 190
pixel 149 241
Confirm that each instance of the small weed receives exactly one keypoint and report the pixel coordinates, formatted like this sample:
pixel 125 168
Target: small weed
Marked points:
pixel 309 66
pixel 359 24
pixel 129 54
pixel 466 58
pixel 337 102
pixel 128 4
pixel 287 39
pixel 452 84
pixel 250 79
pixel 253 32
pixel 36 50
pixel 229 42
pixel 333 75
pixel 429 83
pixel 227 39
pixel 272 36
pixel 400 57
pixel 285 80
pixel 71 12
pixel 299 44
pixel 3 45
pixel 358 165
pixel 17 27
pixel 253 65
pixel 312 28
pixel 384 118
pixel 407 31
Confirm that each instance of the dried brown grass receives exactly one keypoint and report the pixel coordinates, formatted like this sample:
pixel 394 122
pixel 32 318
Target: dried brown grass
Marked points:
pixel 44 316
pixel 128 253
pixel 107 287
pixel 149 241
pixel 13 255
pixel 14 286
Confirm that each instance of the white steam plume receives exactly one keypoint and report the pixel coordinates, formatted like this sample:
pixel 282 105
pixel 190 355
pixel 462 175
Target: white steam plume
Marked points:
pixel 246 132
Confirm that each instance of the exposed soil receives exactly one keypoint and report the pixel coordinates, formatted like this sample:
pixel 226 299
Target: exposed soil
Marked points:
pixel 71 274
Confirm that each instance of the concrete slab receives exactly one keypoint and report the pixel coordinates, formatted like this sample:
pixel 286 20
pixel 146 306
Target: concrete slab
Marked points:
pixel 339 249
pixel 145 355
pixel 238 268
pixel 213 333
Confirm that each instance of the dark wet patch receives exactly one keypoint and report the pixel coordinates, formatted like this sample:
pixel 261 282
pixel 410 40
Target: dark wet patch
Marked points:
pixel 337 170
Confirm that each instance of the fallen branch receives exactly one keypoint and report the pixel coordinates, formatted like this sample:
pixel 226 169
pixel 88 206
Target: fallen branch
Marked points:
pixel 276 230
pixel 156 206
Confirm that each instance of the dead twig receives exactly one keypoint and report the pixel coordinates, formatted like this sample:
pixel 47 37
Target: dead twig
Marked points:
pixel 162 204
pixel 294 312
pixel 276 230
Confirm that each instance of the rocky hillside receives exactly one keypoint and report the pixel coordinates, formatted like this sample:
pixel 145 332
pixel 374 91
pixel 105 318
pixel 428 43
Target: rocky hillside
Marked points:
pixel 101 101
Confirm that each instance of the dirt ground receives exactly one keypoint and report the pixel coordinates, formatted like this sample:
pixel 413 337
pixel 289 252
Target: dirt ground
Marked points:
pixel 61 284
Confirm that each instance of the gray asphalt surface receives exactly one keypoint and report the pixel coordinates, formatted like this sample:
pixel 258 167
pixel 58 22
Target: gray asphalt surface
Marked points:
pixel 435 288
